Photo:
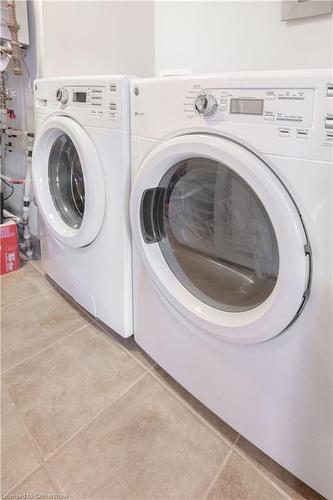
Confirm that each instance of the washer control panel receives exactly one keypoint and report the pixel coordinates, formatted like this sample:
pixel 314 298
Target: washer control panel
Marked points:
pixel 292 107
pixel 100 101
pixel 97 101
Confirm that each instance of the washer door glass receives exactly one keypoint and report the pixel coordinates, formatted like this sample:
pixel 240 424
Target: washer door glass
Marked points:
pixel 216 235
pixel 66 181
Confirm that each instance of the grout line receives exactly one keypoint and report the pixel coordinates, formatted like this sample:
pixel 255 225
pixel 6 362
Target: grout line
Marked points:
pixel 261 472
pixel 27 298
pixel 118 343
pixel 51 455
pixel 56 483
pixel 26 430
pixel 221 467
pixel 85 425
pixel 193 411
pixel 70 302
pixel 217 474
pixel 7 495
pixel 44 349
pixel 32 263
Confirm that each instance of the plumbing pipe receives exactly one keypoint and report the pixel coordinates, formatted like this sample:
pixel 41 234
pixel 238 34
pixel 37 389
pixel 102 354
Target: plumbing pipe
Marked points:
pixel 20 149
pixel 11 180
pixel 26 198
pixel 13 28
pixel 13 132
pixel 9 215
pixel 3 111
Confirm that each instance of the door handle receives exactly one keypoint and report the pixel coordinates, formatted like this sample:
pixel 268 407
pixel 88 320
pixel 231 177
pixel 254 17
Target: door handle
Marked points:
pixel 152 215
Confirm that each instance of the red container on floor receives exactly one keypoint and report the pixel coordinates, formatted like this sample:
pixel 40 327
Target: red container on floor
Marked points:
pixel 9 249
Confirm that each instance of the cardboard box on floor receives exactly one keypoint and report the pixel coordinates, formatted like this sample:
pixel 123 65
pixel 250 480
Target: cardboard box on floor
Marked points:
pixel 9 248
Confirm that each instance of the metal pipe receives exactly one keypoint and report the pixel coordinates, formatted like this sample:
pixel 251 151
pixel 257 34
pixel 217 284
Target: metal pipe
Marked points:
pixel 11 180
pixel 13 28
pixel 26 198
pixel 3 111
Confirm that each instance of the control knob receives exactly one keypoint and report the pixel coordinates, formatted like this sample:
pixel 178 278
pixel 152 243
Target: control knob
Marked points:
pixel 205 104
pixel 62 96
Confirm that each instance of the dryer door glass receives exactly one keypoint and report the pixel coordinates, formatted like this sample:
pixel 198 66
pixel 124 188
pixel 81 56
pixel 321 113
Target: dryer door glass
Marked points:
pixel 216 236
pixel 66 181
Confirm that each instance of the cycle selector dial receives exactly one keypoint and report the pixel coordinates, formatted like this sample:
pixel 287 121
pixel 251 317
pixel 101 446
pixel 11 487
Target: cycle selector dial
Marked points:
pixel 205 104
pixel 62 96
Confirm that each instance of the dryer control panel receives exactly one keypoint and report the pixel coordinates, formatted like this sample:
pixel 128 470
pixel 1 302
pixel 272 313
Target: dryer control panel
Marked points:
pixel 292 107
pixel 285 113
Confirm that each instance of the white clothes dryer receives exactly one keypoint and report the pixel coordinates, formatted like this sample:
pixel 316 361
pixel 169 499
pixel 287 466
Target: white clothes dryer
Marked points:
pixel 81 176
pixel 231 216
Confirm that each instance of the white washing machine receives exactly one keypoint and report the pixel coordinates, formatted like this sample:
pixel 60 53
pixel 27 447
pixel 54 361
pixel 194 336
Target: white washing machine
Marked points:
pixel 81 175
pixel 231 215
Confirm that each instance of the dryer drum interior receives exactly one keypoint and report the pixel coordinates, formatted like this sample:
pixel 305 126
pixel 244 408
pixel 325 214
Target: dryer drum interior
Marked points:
pixel 215 234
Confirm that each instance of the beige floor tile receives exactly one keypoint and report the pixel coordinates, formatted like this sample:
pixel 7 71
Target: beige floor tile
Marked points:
pixel 71 302
pixel 223 428
pixel 129 344
pixel 62 388
pixel 147 445
pixel 21 284
pixel 240 481
pixel 37 485
pixel 35 323
pixel 294 488
pixel 18 456
pixel 37 265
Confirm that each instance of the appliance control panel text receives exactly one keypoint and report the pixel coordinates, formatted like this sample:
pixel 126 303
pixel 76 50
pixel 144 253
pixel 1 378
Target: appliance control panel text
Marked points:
pixel 279 106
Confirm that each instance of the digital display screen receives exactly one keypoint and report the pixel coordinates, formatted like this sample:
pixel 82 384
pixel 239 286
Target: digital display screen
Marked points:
pixel 79 97
pixel 247 106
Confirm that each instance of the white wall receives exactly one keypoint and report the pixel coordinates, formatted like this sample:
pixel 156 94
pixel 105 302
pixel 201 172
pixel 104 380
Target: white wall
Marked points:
pixel 78 37
pixel 86 37
pixel 96 37
pixel 213 37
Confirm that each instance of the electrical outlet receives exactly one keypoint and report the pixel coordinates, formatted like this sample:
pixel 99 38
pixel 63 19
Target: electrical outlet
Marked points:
pixel 298 9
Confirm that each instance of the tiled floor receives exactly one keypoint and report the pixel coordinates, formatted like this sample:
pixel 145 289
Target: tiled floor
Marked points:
pixel 86 414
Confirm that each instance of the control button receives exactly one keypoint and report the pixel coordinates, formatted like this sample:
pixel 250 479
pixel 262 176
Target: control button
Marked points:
pixel 100 113
pixel 269 117
pixel 329 91
pixel 329 137
pixel 223 102
pixel 302 133
pixel 284 132
pixel 93 112
pixel 270 95
pixel 205 104
pixel 329 122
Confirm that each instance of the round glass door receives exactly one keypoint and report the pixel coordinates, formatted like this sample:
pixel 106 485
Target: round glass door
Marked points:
pixel 217 236
pixel 66 181
pixel 220 238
